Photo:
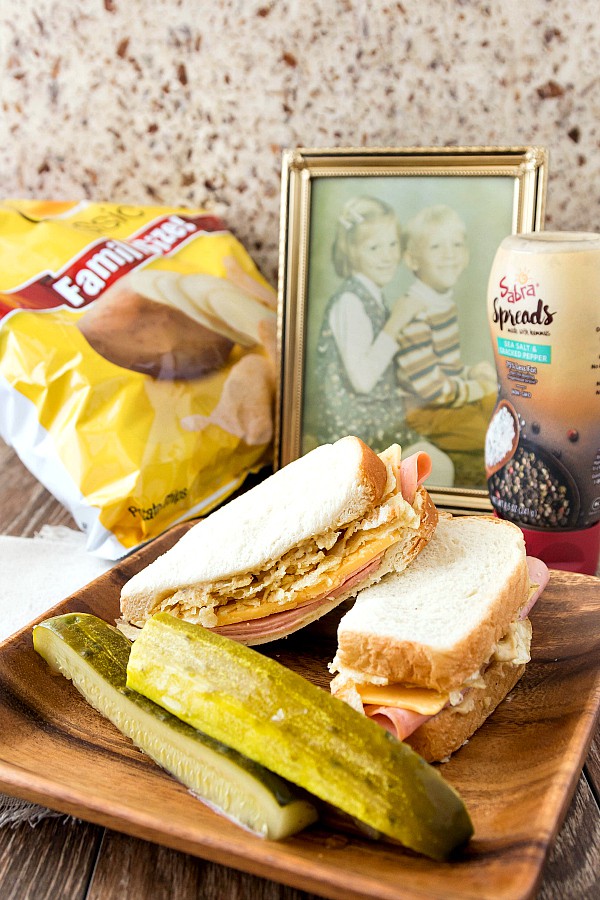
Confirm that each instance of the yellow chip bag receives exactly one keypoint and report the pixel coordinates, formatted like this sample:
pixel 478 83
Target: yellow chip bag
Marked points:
pixel 137 370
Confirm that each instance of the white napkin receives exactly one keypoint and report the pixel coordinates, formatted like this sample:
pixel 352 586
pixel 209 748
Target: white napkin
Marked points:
pixel 35 574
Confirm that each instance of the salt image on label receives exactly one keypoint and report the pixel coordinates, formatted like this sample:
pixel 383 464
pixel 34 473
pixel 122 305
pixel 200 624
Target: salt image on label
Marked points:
pixel 500 436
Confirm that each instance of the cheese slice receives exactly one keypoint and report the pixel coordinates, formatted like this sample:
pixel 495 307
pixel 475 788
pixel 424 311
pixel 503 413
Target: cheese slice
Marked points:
pixel 239 611
pixel 420 700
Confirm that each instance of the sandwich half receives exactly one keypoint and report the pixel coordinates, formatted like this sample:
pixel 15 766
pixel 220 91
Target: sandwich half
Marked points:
pixel 431 652
pixel 295 546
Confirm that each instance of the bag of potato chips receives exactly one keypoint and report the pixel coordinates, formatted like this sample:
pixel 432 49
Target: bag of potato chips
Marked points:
pixel 137 367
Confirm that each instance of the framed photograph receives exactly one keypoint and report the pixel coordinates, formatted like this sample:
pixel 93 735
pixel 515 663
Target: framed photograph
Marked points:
pixel 385 256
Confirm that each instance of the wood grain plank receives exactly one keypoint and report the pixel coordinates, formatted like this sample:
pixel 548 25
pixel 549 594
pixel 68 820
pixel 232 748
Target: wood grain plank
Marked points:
pixel 26 505
pixel 54 859
pixel 593 765
pixel 572 871
pixel 128 867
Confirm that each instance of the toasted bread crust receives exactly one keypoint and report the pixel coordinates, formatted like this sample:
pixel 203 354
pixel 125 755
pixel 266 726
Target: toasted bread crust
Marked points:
pixel 445 733
pixel 429 520
pixel 371 471
pixel 402 554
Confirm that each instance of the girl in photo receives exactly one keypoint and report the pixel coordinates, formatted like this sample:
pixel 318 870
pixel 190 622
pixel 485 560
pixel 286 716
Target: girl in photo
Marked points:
pixel 358 390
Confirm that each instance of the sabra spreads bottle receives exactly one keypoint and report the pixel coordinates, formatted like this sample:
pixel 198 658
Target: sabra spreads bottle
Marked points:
pixel 542 449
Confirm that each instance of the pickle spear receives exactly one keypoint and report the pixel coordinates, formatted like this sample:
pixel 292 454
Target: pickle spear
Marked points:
pixel 285 723
pixel 94 655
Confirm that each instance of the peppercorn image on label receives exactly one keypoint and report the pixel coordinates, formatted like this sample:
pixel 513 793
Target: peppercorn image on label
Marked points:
pixel 136 362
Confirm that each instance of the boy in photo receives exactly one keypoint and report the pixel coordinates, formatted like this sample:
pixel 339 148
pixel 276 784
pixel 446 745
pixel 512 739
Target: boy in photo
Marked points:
pixel 447 401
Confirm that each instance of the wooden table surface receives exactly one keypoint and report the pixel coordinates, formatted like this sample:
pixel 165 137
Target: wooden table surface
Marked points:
pixel 69 859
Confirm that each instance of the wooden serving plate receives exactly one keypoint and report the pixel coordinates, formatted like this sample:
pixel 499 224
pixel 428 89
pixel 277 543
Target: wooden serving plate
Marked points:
pixel 516 775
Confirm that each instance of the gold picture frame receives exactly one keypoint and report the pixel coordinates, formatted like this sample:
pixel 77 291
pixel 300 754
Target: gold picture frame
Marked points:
pixel 494 191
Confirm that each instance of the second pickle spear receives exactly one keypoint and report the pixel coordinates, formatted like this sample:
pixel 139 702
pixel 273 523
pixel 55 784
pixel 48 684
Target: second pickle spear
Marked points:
pixel 279 719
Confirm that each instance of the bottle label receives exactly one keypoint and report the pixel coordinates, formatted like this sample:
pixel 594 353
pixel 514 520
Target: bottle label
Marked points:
pixel 542 449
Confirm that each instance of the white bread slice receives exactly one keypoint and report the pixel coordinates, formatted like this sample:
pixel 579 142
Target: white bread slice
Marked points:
pixel 435 624
pixel 322 491
pixel 441 735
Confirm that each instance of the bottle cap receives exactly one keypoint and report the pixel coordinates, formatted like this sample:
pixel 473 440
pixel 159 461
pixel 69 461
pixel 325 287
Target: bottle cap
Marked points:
pixel 573 551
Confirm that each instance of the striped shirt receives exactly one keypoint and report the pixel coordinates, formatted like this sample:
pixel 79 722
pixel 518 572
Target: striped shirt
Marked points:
pixel 428 360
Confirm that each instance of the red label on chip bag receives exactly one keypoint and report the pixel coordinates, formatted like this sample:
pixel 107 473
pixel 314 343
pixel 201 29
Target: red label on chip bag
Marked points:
pixel 102 263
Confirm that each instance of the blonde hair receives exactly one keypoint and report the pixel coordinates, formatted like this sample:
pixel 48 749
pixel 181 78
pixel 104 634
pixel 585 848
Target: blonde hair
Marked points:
pixel 421 224
pixel 356 212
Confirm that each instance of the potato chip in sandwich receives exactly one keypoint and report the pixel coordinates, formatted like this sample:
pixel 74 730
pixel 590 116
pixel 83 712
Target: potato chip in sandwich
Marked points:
pixel 292 548
pixel 429 653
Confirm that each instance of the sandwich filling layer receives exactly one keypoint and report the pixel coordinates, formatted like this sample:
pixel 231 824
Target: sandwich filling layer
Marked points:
pixel 406 712
pixel 308 572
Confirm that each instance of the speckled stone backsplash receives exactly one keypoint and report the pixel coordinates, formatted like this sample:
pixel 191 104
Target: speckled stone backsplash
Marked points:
pixel 191 101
